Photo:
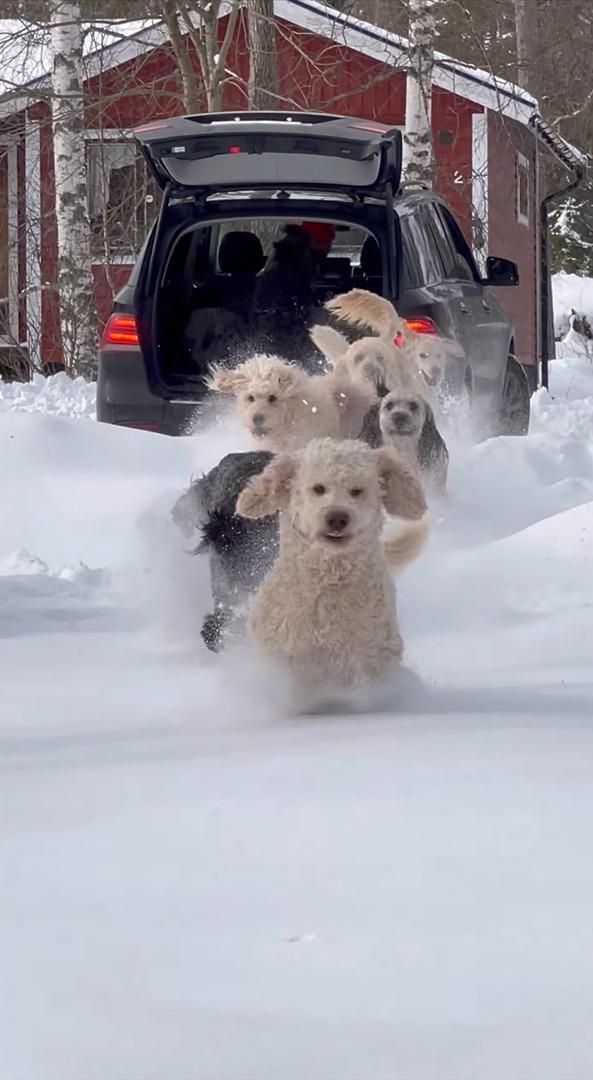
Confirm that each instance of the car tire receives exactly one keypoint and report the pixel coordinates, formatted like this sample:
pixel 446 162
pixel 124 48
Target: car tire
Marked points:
pixel 515 405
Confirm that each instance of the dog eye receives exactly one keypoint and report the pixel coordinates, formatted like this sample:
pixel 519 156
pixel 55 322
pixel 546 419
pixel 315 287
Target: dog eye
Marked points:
pixel 272 398
pixel 356 492
pixel 389 406
pixel 319 489
pixel 251 398
pixel 413 406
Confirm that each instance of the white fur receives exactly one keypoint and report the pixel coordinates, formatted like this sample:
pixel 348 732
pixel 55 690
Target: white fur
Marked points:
pixel 293 406
pixel 408 425
pixel 327 609
pixel 414 365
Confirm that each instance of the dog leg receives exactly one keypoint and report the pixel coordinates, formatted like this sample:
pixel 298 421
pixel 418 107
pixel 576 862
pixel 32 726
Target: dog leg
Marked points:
pixel 213 628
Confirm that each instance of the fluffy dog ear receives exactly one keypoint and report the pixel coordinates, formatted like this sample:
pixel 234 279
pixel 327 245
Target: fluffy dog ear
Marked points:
pixel 225 380
pixel 402 493
pixel 289 378
pixel 430 438
pixel 270 491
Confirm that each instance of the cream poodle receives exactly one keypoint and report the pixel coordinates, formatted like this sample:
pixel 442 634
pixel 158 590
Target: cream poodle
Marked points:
pixel 283 407
pixel 407 423
pixel 398 358
pixel 328 607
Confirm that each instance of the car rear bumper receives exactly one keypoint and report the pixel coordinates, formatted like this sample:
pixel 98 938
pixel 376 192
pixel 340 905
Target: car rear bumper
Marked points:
pixel 124 398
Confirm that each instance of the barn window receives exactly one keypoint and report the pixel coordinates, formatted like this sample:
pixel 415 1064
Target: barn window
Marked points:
pixel 122 197
pixel 522 190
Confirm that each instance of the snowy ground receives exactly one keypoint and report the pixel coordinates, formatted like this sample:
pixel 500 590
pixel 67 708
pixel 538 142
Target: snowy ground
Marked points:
pixel 194 887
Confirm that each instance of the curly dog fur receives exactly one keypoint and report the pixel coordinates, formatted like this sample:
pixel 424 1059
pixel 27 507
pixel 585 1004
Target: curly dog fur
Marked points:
pixel 283 407
pixel 328 607
pixel 405 361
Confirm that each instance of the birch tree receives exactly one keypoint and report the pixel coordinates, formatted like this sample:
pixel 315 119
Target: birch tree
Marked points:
pixel 418 158
pixel 75 278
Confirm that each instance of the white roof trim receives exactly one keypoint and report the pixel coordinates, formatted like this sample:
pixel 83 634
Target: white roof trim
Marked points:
pixel 449 74
pixel 124 48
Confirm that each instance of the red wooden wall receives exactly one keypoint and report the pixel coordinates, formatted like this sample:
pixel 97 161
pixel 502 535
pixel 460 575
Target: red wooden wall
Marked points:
pixel 313 73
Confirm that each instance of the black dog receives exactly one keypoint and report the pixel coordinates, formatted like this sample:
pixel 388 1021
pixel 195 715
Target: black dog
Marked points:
pixel 241 552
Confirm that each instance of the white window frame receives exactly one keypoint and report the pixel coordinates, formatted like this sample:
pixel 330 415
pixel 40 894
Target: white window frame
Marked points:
pixel 120 135
pixel 523 165
pixel 10 144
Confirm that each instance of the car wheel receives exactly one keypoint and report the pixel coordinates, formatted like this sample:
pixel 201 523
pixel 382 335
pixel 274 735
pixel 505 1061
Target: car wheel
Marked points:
pixel 515 405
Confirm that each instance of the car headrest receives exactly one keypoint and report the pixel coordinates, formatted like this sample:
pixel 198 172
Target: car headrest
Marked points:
pixel 370 258
pixel 240 253
pixel 336 269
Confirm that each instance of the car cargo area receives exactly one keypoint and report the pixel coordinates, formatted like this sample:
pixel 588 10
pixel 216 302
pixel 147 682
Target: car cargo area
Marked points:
pixel 234 287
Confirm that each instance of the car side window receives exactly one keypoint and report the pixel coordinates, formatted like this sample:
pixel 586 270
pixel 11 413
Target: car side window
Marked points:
pixel 423 265
pixel 442 241
pixel 465 268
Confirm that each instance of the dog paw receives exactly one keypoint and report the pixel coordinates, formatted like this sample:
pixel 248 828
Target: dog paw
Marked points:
pixel 212 632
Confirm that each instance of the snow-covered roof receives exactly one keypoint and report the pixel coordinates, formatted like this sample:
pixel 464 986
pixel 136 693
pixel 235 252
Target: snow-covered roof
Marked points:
pixel 25 58
pixel 25 53
pixel 560 148
pixel 464 79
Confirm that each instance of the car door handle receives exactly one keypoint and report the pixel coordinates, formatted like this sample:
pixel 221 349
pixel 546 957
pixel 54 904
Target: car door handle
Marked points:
pixel 464 308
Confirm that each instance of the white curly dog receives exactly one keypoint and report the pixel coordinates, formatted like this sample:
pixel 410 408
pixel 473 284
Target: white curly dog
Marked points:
pixel 327 609
pixel 283 407
pixel 397 357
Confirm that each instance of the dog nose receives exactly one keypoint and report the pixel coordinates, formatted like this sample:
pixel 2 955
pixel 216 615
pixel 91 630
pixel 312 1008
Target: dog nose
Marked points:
pixel 400 418
pixel 337 520
pixel 258 420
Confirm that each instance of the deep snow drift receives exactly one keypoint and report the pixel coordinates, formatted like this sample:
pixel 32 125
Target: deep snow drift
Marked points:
pixel 192 887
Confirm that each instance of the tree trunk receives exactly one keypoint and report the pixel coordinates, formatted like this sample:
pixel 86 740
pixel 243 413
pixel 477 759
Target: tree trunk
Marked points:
pixel 76 293
pixel 263 71
pixel 191 97
pixel 526 30
pixel 418 162
pixel 202 30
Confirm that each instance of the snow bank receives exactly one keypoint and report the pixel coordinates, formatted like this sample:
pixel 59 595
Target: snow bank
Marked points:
pixel 57 395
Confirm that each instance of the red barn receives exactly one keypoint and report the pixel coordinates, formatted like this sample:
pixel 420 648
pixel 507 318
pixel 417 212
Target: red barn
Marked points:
pixel 491 147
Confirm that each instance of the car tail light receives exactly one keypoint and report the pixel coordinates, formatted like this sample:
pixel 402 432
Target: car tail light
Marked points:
pixel 422 325
pixel 120 330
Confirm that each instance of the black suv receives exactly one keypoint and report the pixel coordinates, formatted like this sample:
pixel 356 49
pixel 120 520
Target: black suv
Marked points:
pixel 232 184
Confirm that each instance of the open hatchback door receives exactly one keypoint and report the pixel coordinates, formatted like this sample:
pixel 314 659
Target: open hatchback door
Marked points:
pixel 206 163
pixel 316 151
